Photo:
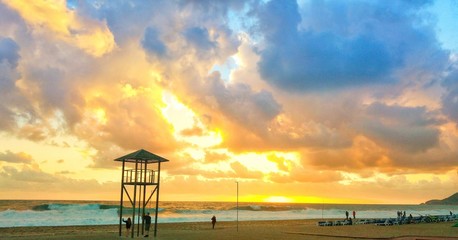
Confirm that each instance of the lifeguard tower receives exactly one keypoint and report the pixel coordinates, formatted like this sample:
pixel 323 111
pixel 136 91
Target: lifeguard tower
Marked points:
pixel 141 171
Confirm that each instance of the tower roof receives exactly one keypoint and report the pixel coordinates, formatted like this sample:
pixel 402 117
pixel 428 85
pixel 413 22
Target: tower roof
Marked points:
pixel 143 156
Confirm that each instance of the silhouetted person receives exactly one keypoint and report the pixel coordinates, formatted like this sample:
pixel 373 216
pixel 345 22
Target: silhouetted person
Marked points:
pixel 128 225
pixel 354 215
pixel 213 221
pixel 346 214
pixel 147 219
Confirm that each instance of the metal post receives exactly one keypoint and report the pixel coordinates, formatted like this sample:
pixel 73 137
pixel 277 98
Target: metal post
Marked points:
pixel 122 194
pixel 144 195
pixel 237 206
pixel 322 206
pixel 139 180
pixel 135 199
pixel 157 196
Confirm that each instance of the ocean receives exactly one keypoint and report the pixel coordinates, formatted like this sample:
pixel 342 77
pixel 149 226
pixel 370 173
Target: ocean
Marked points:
pixel 17 213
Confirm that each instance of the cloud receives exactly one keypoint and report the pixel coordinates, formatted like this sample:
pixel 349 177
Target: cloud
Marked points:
pixel 450 97
pixel 20 157
pixel 9 75
pixel 9 51
pixel 125 20
pixel 242 171
pixel 28 182
pixel 410 129
pixel 214 157
pixel 27 174
pixel 199 38
pixel 341 48
pixel 152 43
pixel 244 105
pixel 90 35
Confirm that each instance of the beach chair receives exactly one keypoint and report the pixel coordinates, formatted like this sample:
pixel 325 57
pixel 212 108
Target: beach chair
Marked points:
pixel 321 223
pixel 387 222
pixel 362 221
pixel 347 222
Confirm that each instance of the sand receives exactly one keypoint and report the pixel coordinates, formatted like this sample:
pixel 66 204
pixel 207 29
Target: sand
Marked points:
pixel 265 230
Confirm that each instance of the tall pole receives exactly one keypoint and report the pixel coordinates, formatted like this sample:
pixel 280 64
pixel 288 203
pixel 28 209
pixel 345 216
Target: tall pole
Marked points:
pixel 135 199
pixel 144 194
pixel 322 206
pixel 139 179
pixel 157 196
pixel 122 194
pixel 237 206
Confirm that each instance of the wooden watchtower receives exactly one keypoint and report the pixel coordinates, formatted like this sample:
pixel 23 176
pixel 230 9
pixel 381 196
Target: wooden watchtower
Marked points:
pixel 141 171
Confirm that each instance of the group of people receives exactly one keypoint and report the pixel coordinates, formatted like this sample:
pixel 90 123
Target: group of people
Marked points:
pixel 347 215
pixel 401 214
pixel 147 221
pixel 348 218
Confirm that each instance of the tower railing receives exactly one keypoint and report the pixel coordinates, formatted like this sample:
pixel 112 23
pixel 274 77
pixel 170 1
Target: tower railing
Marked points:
pixel 142 176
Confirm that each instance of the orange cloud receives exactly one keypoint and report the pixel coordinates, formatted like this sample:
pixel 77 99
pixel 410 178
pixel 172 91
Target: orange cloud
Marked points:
pixel 92 36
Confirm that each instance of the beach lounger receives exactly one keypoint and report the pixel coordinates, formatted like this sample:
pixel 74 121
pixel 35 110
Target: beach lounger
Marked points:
pixel 387 222
pixel 363 221
pixel 321 223
pixel 338 223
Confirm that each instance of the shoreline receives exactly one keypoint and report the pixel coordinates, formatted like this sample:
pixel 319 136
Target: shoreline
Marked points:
pixel 272 229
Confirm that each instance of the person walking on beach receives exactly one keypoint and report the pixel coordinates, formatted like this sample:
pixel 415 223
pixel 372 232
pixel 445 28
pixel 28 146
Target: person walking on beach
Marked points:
pixel 354 214
pixel 128 225
pixel 346 215
pixel 213 222
pixel 147 219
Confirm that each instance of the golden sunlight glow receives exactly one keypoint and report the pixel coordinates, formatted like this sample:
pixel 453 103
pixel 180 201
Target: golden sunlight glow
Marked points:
pixel 327 200
pixel 128 91
pixel 92 36
pixel 156 76
pixel 302 199
pixel 101 116
pixel 184 120
pixel 418 178
pixel 97 42
pixel 279 199
pixel 257 162
pixel 52 14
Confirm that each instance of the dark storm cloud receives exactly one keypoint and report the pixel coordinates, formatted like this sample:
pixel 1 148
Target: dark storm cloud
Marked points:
pixel 9 58
pixel 450 97
pixel 9 51
pixel 411 129
pixel 348 45
pixel 199 38
pixel 240 103
pixel 152 43
pixel 125 19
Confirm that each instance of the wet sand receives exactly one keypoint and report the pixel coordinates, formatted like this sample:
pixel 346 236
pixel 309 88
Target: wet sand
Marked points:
pixel 249 230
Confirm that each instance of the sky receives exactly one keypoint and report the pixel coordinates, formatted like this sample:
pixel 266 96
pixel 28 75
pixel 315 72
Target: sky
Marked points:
pixel 297 101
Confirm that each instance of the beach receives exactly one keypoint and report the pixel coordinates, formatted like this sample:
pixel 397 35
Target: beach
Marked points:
pixel 249 230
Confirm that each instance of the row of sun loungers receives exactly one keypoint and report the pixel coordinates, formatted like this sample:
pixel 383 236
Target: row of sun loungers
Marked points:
pixel 393 221
pixel 334 223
